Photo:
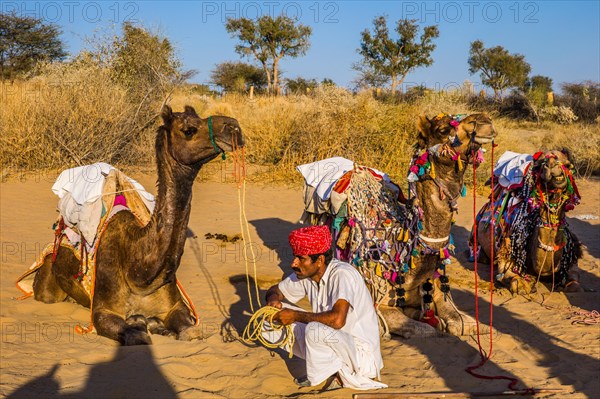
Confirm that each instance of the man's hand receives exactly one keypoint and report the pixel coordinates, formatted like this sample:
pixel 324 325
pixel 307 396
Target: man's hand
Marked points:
pixel 275 303
pixel 274 297
pixel 285 316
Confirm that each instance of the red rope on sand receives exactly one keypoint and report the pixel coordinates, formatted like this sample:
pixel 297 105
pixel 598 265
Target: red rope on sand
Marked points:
pixel 484 357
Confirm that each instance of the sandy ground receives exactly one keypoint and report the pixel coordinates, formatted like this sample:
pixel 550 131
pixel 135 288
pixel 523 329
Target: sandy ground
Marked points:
pixel 42 356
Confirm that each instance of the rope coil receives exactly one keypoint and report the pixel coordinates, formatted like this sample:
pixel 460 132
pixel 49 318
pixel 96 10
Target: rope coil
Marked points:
pixel 261 322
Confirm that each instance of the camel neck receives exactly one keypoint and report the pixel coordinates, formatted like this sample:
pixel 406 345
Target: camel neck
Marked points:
pixel 167 229
pixel 436 197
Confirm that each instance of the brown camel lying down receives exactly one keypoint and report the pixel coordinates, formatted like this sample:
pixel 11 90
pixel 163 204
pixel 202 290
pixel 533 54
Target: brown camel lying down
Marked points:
pixel 135 291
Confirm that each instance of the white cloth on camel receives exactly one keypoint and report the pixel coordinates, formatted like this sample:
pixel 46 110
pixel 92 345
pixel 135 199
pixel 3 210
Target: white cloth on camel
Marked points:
pixel 80 192
pixel 511 168
pixel 353 351
pixel 320 177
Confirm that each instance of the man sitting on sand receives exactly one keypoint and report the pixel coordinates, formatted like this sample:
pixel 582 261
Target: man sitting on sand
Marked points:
pixel 339 339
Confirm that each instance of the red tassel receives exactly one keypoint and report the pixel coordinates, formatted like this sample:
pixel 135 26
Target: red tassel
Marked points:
pixel 429 318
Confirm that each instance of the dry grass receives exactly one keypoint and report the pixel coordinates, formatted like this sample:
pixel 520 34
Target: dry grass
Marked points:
pixel 68 117
pixel 74 115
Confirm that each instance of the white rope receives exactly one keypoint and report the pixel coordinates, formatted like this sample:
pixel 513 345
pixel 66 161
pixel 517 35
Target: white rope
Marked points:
pixel 433 240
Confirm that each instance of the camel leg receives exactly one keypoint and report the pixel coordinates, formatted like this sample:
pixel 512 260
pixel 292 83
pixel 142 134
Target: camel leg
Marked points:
pixel 182 323
pixel 457 323
pixel 402 325
pixel 115 327
pixel 45 287
pixel 156 326
pixel 138 321
pixel 573 280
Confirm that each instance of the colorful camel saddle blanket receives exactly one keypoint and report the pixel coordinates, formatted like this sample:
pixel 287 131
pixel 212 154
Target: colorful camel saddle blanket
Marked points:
pixel 323 191
pixel 89 197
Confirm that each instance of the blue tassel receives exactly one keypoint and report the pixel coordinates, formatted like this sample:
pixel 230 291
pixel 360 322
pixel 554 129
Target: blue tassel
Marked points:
pixel 420 225
pixel 463 192
pixel 456 142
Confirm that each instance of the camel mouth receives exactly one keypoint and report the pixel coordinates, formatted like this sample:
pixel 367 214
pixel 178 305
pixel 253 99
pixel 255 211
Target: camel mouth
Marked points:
pixel 556 182
pixel 483 140
pixel 228 146
pixel 559 181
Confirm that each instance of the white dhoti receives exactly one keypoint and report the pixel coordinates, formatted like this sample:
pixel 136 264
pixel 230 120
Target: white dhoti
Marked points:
pixel 328 351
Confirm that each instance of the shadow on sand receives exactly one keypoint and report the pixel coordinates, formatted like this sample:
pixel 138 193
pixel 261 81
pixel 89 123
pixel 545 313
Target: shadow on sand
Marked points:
pixel 569 367
pixel 274 233
pixel 233 328
pixel 132 373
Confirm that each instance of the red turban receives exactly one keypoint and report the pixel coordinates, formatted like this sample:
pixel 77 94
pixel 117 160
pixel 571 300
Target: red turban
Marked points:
pixel 311 240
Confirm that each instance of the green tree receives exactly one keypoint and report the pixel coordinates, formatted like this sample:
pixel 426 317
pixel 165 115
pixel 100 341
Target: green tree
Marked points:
pixel 238 77
pixel 536 89
pixel 539 82
pixel 268 40
pixel 145 63
pixel 24 41
pixel 300 85
pixel 395 58
pixel 499 69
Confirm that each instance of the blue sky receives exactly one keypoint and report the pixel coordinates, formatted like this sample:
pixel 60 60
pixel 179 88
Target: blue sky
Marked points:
pixel 560 39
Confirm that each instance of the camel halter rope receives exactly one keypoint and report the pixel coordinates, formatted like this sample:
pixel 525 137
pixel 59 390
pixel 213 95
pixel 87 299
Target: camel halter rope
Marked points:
pixel 485 357
pixel 212 139
pixel 262 319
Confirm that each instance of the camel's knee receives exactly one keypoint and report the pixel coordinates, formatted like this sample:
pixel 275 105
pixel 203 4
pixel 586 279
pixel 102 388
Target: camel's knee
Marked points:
pixel 113 326
pixel 132 336
pixel 572 284
pixel 137 322
pixel 519 285
pixel 404 326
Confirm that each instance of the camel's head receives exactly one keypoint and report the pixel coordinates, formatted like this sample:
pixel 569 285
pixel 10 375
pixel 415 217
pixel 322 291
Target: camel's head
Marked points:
pixel 464 133
pixel 554 168
pixel 193 140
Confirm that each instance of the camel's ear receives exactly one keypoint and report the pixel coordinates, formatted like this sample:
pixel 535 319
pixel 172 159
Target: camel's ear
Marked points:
pixel 166 114
pixel 423 127
pixel 190 111
pixel 569 155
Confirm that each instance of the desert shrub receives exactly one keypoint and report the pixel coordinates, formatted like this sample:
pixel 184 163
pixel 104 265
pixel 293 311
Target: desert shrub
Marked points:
pixel 561 114
pixel 516 106
pixel 101 106
pixel 583 99
pixel 67 116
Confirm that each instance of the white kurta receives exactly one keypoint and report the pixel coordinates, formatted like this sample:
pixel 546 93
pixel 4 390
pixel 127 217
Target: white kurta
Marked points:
pixel 354 350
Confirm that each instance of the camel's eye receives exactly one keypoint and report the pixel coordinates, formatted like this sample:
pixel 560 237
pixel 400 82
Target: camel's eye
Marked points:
pixel 190 131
